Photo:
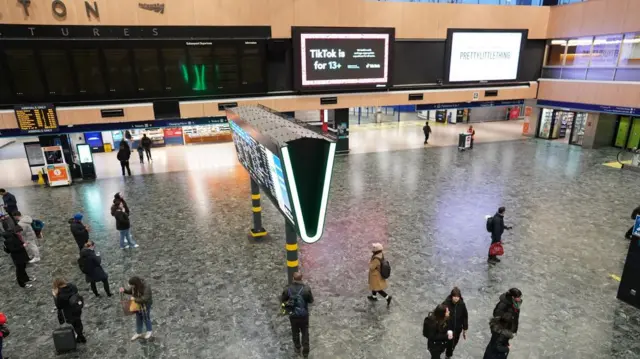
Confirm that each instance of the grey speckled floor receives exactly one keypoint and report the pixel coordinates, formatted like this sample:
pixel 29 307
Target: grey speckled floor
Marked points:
pixel 215 292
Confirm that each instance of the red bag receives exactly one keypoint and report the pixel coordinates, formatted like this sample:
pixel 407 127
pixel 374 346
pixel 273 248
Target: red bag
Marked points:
pixel 496 249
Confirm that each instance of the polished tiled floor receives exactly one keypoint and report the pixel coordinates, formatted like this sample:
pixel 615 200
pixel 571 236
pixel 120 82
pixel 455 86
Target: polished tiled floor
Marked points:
pixel 216 293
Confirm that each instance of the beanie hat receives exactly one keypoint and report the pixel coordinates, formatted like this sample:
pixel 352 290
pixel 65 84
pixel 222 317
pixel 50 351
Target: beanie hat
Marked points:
pixel 376 247
pixel 77 216
pixel 3 319
pixel 116 196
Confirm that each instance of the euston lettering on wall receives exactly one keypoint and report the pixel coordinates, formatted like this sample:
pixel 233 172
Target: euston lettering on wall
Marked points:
pixel 59 8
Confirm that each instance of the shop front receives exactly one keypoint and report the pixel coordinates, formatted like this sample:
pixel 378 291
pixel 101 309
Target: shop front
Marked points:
pixel 565 125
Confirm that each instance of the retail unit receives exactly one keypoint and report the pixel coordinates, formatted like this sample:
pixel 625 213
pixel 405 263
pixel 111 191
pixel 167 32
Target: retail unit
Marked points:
pixel 561 124
pixel 627 132
pixel 214 133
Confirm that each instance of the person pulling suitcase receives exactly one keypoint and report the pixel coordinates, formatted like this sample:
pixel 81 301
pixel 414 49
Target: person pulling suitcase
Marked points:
pixel 69 304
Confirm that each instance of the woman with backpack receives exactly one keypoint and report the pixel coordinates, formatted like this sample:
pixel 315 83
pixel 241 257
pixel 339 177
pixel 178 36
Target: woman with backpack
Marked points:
pixel 377 283
pixel 69 304
pixel 435 329
pixel 501 333
pixel 141 295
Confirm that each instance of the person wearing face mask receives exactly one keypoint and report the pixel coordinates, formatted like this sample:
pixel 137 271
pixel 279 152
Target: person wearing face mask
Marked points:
pixel 90 264
pixel 497 228
pixel 458 319
pixel 499 347
pixel 510 302
pixel 435 329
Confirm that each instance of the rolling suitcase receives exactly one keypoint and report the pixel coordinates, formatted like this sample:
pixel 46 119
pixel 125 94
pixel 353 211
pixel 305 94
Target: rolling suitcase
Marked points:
pixel 64 339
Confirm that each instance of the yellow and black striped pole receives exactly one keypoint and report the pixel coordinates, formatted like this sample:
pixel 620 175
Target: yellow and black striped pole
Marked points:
pixel 292 250
pixel 257 232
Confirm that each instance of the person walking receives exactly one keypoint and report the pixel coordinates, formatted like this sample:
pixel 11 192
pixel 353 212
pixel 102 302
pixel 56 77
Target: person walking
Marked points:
pixel 295 299
pixel 141 294
pixel 79 230
pixel 10 202
pixel 146 144
pixel 69 304
pixel 377 284
pixel 499 347
pixel 4 331
pixel 497 228
pixel 90 264
pixel 472 132
pixel 28 236
pixel 140 153
pixel 510 302
pixel 16 248
pixel 634 213
pixel 458 319
pixel 436 331
pixel 124 154
pixel 123 225
pixel 427 131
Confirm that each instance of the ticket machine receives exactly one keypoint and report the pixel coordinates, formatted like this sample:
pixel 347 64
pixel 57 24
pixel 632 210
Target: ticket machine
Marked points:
pixel 56 166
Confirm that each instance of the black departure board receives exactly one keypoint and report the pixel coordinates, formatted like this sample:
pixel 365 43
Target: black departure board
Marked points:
pixel 36 118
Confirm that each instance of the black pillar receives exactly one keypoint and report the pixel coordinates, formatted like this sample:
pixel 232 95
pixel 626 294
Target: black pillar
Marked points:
pixel 257 232
pixel 292 250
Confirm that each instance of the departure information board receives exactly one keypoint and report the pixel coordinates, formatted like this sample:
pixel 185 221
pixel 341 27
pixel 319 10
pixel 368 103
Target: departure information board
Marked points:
pixel 36 118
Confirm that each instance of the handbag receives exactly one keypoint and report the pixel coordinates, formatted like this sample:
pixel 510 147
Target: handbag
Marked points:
pixel 496 249
pixel 129 306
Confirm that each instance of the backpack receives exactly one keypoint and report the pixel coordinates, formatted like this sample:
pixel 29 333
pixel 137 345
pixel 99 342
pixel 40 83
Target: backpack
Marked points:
pixel 425 327
pixel 82 264
pixel 296 305
pixel 385 268
pixel 490 224
pixel 76 303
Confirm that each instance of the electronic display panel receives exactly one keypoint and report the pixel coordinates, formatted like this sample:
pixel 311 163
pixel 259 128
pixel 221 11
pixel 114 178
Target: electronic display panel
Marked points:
pixel 86 63
pixel 23 67
pixel 36 118
pixel 119 70
pixel 57 71
pixel 147 70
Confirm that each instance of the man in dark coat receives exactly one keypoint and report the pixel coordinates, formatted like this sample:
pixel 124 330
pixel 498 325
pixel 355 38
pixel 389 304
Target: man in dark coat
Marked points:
pixel 16 248
pixel 64 293
pixel 497 229
pixel 427 131
pixel 10 202
pixel 511 302
pixel 124 153
pixel 146 145
pixel 91 265
pixel 79 230
pixel 458 321
pixel 635 213
pixel 299 323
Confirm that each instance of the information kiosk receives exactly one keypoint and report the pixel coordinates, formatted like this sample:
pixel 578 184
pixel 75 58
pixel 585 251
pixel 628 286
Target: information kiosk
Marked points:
pixel 56 166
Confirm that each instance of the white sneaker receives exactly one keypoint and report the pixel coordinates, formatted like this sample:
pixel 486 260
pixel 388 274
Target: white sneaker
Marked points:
pixel 32 279
pixel 125 247
pixel 28 285
pixel 136 337
pixel 136 245
pixel 35 260
pixel 147 335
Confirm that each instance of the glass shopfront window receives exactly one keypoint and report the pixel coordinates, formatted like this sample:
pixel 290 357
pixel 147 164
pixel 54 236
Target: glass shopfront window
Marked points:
pixel 555 53
pixel 579 52
pixel 630 50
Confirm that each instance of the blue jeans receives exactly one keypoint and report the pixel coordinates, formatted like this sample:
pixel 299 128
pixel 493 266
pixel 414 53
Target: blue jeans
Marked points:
pixel 143 315
pixel 126 234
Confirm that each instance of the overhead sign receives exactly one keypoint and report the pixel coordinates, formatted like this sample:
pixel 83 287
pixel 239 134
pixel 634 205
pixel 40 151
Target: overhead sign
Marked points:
pixel 342 58
pixel 460 105
pixel 478 55
pixel 34 119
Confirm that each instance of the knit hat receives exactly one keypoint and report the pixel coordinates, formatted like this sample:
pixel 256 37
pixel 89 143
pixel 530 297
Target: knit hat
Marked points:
pixel 376 247
pixel 77 216
pixel 3 319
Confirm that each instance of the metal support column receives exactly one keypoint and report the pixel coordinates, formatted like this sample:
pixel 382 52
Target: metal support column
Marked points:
pixel 257 232
pixel 292 250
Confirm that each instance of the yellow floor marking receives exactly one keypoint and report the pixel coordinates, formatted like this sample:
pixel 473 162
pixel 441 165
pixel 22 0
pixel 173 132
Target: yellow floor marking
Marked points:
pixel 615 277
pixel 616 164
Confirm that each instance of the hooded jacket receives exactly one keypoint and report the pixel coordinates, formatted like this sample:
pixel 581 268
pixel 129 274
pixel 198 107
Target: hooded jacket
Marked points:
pixel 124 154
pixel 92 266
pixel 458 315
pixel 498 346
pixel 79 231
pixel 506 304
pixel 65 313
pixel 28 234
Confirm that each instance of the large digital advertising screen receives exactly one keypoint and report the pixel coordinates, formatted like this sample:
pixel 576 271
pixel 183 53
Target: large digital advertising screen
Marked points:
pixel 484 55
pixel 342 58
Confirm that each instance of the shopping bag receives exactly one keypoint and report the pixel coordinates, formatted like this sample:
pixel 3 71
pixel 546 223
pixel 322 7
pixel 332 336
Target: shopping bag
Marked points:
pixel 129 306
pixel 496 249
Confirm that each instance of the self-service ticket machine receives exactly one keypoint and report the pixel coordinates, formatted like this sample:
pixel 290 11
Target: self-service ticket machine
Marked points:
pixel 56 166
pixel 86 161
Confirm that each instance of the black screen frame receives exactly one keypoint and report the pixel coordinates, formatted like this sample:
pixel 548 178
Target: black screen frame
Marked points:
pixel 297 31
pixel 449 43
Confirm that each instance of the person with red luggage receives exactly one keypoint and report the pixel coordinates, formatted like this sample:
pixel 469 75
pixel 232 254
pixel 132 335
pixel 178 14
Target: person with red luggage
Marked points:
pixel 4 331
pixel 495 225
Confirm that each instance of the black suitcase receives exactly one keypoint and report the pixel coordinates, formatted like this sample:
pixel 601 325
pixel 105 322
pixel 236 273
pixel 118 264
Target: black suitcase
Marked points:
pixel 64 339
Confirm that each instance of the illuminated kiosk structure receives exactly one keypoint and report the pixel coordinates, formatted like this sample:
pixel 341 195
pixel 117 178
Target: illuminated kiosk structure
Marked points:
pixel 292 165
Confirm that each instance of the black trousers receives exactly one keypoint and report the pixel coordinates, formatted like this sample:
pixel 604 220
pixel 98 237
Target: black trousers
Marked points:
pixel 381 292
pixel 300 326
pixel 451 344
pixel 125 164
pixel 141 154
pixel 21 274
pixel 426 138
pixel 78 327
pixel 436 352
pixel 148 152
pixel 105 284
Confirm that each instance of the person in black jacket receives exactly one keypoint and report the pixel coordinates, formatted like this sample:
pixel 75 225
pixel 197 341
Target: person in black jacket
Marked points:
pixel 427 131
pixel 499 347
pixel 497 228
pixel 296 298
pixel 124 153
pixel 634 213
pixel 510 302
pixel 79 230
pixel 10 202
pixel 146 145
pixel 458 319
pixel 123 225
pixel 435 329
pixel 91 265
pixel 120 196
pixel 16 248
pixel 69 304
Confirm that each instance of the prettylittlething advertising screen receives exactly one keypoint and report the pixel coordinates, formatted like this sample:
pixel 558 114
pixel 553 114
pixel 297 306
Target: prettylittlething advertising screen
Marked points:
pixel 484 56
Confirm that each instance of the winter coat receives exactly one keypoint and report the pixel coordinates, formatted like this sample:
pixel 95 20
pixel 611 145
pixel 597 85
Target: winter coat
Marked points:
pixel 294 288
pixel 79 231
pixel 435 333
pixel 497 224
pixel 15 247
pixel 122 220
pixel 10 203
pixel 146 143
pixel 29 236
pixel 376 282
pixel 124 154
pixel 498 347
pixel 143 298
pixel 92 266
pixel 458 315
pixel 65 313
pixel 506 305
